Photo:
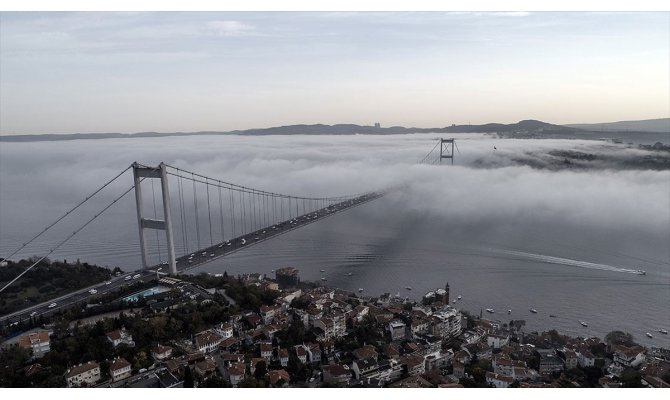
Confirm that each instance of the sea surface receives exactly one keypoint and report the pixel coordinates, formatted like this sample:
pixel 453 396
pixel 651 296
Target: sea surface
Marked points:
pixel 565 244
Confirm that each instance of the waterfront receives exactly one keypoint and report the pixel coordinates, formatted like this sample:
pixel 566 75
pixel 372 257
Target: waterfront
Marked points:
pixel 449 224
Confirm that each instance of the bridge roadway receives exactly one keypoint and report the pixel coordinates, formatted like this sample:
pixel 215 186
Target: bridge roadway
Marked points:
pixel 184 263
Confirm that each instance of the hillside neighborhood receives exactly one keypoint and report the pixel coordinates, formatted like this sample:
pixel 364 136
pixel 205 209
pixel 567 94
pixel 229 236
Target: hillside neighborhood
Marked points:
pixel 254 331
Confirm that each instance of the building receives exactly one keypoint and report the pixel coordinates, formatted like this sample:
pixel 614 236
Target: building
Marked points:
pixel 208 341
pixel 397 329
pixel 120 336
pixel 497 341
pixel 83 374
pixel 225 329
pixel 336 373
pixel 119 369
pixel 287 277
pixel 414 364
pixel 364 369
pixel 314 352
pixel 38 342
pixel 549 361
pixel 497 380
pixel 283 357
pixel 301 354
pixel 236 373
pixel 205 367
pixel 629 356
pixel 266 351
pixel 279 378
pixel 160 353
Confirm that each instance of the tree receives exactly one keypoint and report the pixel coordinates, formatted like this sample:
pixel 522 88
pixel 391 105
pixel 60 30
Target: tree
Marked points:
pixel 261 370
pixel 188 378
pixel 620 338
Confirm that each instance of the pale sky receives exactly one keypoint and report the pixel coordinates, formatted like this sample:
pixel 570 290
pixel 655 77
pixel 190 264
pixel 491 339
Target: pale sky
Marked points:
pixel 195 71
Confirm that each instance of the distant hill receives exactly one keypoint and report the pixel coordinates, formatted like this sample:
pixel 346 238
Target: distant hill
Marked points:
pixel 526 126
pixel 647 125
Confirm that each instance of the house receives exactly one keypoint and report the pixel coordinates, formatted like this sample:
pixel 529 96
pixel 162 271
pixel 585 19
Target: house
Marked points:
pixel 268 313
pixel 87 373
pixel 236 373
pixel 328 347
pixel 397 330
pixel 364 368
pixel 437 360
pixel 160 353
pixel 367 351
pixel 205 367
pixel 208 341
pixel 283 357
pixel 277 375
pixel 629 356
pixel 119 369
pixel 414 364
pixel 38 342
pixel 301 353
pixel 225 329
pixel 462 356
pixel 389 371
pixel 266 351
pixel 336 373
pixel 120 336
pixel 229 359
pixel 497 380
pixel 314 352
pixel 549 361
pixel 570 359
pixel 502 365
pixel 585 358
pixel 497 341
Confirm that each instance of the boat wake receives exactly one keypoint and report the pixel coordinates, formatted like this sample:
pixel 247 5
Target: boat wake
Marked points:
pixel 568 262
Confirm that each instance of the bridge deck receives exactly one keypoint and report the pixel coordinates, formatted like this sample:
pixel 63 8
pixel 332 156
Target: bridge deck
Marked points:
pixel 203 256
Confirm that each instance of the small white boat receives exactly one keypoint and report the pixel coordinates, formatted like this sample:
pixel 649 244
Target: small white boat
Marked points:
pixel 323 270
pixel 641 272
pixel 360 289
pixel 349 274
pixel 408 287
pixel 490 310
pixel 323 279
pixel 459 297
pixel 509 311
pixel 663 331
pixel 649 335
pixel 584 324
pixel 454 301
pixel 534 311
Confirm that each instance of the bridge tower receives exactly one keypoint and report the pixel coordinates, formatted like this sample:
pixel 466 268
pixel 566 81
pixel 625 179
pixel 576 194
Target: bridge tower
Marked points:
pixel 447 149
pixel 159 172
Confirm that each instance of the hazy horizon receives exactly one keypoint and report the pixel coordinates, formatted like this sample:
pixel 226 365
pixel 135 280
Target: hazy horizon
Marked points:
pixel 101 72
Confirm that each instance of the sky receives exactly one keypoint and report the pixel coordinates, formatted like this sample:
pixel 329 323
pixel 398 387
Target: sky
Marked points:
pixel 63 72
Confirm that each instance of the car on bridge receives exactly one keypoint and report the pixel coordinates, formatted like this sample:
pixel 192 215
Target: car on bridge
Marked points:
pixel 52 305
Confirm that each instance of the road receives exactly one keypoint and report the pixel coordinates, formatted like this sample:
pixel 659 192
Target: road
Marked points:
pixel 184 263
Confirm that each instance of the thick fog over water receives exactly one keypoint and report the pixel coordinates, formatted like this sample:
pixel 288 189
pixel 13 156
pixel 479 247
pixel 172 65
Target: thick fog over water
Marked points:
pixel 502 233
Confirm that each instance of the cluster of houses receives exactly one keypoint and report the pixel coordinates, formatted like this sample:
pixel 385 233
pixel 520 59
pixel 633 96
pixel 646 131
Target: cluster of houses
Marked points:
pixel 420 340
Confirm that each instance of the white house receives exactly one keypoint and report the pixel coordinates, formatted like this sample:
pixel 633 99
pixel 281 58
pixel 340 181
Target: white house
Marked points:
pixel 88 373
pixel 119 369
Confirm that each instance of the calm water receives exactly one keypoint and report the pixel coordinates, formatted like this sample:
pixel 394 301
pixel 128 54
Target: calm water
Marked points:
pixel 501 239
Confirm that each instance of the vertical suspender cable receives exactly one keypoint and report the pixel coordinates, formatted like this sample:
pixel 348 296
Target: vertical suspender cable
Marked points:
pixel 209 214
pixel 223 235
pixel 231 207
pixel 197 224
pixel 153 194
pixel 181 214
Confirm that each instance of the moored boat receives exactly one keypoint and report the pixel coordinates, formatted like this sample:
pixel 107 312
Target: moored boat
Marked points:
pixel 490 310
pixel 583 323
pixel 649 335
pixel 663 331
pixel 534 311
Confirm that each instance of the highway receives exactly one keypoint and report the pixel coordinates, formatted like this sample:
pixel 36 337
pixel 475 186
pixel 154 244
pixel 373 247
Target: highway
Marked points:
pixel 184 263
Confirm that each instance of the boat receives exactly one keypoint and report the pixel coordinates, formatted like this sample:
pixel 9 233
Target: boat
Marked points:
pixel 360 289
pixel 583 323
pixel 490 310
pixel 509 311
pixel 323 279
pixel 663 331
pixel 408 287
pixel 323 270
pixel 552 316
pixel 641 272
pixel 649 335
pixel 454 301
pixel 534 311
pixel 459 297
pixel 349 274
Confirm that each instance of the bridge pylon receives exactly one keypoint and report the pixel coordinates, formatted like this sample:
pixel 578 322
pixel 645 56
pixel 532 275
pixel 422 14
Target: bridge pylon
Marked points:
pixel 165 224
pixel 447 149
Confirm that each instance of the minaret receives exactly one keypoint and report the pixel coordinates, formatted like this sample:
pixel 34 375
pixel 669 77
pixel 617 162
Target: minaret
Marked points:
pixel 446 288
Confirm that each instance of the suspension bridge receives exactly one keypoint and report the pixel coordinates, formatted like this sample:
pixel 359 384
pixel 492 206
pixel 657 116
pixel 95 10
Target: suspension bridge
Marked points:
pixel 201 219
